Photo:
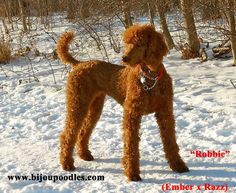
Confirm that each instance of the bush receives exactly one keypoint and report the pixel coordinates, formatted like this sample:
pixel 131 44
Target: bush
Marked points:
pixel 5 52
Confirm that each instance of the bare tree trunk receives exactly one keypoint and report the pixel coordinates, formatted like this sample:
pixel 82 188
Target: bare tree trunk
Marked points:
pixel 46 14
pixel 84 9
pixel 193 40
pixel 22 6
pixel 127 13
pixel 151 12
pixel 4 11
pixel 210 9
pixel 70 9
pixel 230 12
pixel 40 12
pixel 5 26
pixel 7 12
pixel 160 9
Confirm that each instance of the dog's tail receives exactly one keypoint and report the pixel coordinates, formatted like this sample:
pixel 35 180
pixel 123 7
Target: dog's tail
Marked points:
pixel 63 49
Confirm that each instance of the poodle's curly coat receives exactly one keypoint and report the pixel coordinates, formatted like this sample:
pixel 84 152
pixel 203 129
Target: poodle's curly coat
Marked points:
pixel 90 81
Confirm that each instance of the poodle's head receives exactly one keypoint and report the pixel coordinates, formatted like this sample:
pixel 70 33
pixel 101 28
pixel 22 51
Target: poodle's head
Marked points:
pixel 143 45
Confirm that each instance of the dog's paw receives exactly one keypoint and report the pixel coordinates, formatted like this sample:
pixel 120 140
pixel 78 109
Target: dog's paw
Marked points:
pixel 179 167
pixel 134 178
pixel 182 169
pixel 68 167
pixel 86 156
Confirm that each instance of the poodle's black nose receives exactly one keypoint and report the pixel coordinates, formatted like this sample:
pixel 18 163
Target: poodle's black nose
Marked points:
pixel 125 58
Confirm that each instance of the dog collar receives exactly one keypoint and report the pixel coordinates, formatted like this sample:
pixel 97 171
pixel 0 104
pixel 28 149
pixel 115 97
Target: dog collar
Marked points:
pixel 146 74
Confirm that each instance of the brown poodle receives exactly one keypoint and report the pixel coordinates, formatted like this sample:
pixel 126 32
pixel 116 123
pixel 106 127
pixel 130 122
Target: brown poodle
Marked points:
pixel 142 86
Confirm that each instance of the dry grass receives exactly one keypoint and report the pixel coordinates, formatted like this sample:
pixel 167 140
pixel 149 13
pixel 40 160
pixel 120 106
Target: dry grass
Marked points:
pixel 5 52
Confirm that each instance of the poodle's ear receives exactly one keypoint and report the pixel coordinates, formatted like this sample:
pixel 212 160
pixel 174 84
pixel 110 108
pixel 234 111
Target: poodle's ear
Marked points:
pixel 164 46
pixel 158 44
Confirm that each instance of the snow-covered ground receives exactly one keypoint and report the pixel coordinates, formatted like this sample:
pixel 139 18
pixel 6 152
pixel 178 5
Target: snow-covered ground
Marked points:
pixel 32 117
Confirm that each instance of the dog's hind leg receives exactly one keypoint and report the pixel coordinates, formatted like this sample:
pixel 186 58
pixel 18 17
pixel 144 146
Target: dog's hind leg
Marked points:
pixel 166 123
pixel 78 100
pixel 94 112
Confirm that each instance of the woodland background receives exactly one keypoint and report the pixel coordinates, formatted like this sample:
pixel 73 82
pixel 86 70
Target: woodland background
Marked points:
pixel 214 16
pixel 201 37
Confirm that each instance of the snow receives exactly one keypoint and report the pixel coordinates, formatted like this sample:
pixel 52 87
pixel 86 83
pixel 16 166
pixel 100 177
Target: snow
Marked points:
pixel 32 117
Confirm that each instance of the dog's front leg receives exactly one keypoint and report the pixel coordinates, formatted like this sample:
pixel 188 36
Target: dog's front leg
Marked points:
pixel 131 125
pixel 166 123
